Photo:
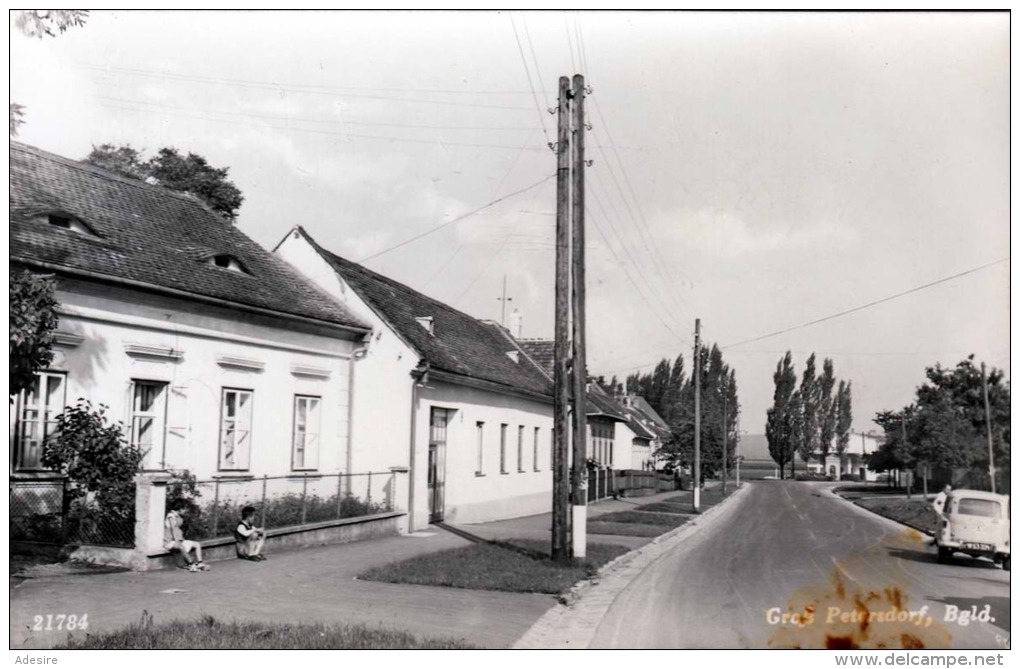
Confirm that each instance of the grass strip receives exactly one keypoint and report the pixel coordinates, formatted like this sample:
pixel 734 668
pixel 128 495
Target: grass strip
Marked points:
pixel 211 634
pixel 490 567
pixel 641 518
pixel 916 513
pixel 626 529
pixel 665 507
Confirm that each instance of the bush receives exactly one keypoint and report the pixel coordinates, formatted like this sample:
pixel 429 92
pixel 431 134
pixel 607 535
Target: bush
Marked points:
pixel 281 511
pixel 100 467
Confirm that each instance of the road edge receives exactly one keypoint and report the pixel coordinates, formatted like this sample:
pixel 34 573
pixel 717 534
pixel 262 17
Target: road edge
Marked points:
pixel 876 514
pixel 589 600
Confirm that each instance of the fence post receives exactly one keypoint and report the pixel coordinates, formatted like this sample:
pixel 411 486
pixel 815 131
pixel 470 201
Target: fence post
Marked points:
pixel 368 495
pixel 304 496
pixel 265 481
pixel 216 509
pixel 339 493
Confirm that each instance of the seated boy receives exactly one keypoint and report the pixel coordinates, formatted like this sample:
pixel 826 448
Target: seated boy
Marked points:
pixel 174 541
pixel 248 538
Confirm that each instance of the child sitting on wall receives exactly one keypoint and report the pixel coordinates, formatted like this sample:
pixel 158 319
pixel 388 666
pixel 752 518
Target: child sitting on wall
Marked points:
pixel 248 538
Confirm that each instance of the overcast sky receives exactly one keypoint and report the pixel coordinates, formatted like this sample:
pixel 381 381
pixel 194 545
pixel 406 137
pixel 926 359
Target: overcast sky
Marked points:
pixel 756 171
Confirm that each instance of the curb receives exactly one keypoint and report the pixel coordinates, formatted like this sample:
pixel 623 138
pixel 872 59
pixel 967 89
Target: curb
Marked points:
pixel 853 502
pixel 572 623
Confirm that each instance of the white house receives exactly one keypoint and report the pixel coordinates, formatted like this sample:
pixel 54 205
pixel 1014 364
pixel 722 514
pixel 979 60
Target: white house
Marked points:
pixel 853 461
pixel 442 393
pixel 217 355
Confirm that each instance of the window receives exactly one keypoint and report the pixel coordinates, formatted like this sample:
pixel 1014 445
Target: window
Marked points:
pixel 235 429
pixel 534 448
pixel 68 222
pixel 148 420
pixel 40 405
pixel 480 427
pixel 520 448
pixel 305 442
pixel 228 262
pixel 502 449
pixel 968 506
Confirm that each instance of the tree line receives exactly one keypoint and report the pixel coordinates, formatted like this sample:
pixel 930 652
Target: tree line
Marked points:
pixel 810 420
pixel 669 390
pixel 947 428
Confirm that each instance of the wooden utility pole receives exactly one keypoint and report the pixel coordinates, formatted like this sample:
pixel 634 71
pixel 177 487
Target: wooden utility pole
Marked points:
pixel 579 521
pixel 561 546
pixel 988 428
pixel 903 433
pixel 697 415
pixel 725 430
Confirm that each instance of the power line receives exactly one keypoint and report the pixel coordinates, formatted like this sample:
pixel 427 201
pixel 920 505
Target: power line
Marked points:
pixel 346 135
pixel 637 268
pixel 294 89
pixel 495 255
pixel 452 221
pixel 275 84
pixel 665 267
pixel 633 282
pixel 619 238
pixel 531 84
pixel 869 304
pixel 332 122
pixel 495 191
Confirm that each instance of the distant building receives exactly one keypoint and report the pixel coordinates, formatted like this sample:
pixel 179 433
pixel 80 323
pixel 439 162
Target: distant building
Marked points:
pixel 852 462
pixel 624 432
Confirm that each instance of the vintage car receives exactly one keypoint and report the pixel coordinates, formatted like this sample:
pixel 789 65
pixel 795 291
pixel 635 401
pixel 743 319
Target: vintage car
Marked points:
pixel 976 523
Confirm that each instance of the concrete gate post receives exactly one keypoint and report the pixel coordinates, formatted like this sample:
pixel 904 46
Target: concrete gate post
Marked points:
pixel 150 511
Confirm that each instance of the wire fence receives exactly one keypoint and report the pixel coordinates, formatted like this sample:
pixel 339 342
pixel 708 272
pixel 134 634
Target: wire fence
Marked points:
pixel 286 501
pixel 48 512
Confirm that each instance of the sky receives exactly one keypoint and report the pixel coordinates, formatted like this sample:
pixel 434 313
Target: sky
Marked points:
pixel 756 171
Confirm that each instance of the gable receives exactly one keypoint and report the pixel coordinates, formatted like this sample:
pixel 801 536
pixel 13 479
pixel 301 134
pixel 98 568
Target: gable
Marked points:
pixel 449 340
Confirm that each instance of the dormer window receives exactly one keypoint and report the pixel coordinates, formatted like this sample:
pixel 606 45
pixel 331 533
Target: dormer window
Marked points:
pixel 228 262
pixel 427 323
pixel 68 222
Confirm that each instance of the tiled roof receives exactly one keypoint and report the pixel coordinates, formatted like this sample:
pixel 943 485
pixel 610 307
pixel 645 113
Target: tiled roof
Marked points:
pixel 150 237
pixel 598 401
pixel 458 344
pixel 541 351
pixel 642 405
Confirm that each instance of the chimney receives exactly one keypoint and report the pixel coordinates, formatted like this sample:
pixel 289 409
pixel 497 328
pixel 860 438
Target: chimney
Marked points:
pixel 516 322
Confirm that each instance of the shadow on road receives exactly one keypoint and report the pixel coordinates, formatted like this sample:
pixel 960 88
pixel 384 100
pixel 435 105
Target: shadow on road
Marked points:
pixel 929 557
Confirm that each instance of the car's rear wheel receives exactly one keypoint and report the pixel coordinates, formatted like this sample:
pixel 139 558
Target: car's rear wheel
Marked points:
pixel 944 555
pixel 1005 563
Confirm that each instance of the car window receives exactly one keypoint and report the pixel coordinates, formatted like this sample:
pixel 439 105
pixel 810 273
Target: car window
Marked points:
pixel 978 507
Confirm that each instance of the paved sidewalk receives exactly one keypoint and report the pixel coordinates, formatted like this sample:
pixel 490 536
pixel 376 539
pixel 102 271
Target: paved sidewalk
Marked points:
pixel 306 585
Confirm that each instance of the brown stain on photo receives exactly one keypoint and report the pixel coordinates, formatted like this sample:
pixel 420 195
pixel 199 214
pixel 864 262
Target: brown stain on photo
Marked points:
pixel 895 625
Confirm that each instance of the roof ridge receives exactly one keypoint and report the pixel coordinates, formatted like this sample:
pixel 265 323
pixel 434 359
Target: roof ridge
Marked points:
pixel 113 176
pixel 517 346
pixel 380 277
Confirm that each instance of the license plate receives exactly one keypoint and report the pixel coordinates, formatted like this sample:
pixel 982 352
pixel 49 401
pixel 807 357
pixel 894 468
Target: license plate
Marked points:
pixel 978 547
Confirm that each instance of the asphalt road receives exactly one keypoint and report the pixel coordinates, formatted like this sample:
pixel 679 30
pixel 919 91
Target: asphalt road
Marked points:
pixel 855 579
